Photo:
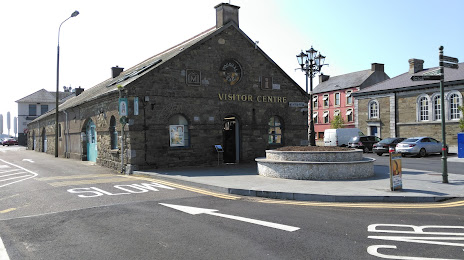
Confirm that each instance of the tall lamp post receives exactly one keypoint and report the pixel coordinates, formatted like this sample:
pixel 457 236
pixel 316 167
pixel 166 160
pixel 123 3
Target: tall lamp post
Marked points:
pixel 74 14
pixel 311 63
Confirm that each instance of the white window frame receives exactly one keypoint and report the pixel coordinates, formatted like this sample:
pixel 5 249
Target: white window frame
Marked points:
pixel 349 97
pixel 325 99
pixel 336 112
pixel 349 112
pixel 371 112
pixel 453 108
pixel 337 104
pixel 315 102
pixel 315 117
pixel 423 110
pixel 436 108
pixel 326 115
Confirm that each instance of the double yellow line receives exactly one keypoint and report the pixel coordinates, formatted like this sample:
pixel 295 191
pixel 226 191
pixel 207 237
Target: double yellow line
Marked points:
pixel 183 187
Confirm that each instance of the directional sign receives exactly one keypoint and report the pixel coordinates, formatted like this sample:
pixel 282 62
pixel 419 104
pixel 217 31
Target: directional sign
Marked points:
pixel 196 211
pixel 450 59
pixel 451 65
pixel 426 77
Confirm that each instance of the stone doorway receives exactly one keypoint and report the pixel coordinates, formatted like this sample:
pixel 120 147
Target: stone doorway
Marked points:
pixel 231 139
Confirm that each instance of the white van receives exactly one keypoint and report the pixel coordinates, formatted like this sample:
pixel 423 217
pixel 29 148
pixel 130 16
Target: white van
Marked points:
pixel 340 136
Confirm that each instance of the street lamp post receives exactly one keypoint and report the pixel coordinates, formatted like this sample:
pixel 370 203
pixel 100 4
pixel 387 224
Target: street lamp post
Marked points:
pixel 74 14
pixel 311 64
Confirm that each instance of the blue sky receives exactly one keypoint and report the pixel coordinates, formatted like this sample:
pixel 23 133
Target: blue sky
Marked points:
pixel 352 34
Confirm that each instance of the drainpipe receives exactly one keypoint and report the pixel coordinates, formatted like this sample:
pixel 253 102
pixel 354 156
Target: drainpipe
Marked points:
pixel 66 135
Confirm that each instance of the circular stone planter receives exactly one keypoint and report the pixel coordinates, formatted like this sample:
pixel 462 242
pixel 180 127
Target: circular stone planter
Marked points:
pixel 316 165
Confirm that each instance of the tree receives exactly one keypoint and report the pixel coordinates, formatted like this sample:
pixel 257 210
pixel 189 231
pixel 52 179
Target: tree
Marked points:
pixel 337 122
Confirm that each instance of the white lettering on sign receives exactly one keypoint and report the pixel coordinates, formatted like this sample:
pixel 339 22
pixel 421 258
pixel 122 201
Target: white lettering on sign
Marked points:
pixel 437 236
pixel 128 189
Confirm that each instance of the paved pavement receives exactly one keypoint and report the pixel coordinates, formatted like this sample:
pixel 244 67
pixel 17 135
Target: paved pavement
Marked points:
pixel 243 179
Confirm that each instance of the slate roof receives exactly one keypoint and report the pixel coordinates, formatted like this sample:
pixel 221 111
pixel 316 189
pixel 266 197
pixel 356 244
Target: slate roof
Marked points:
pixel 403 81
pixel 44 96
pixel 350 80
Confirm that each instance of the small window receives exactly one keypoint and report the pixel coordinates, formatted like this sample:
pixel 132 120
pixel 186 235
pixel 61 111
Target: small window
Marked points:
pixel 32 110
pixel 315 103
pixel 315 117
pixel 349 115
pixel 275 131
pixel 43 109
pixel 326 117
pixel 336 113
pixel 113 133
pixel 349 98
pixel 454 106
pixel 178 131
pixel 337 99
pixel 436 107
pixel 423 104
pixel 326 100
pixel 373 109
pixel 59 130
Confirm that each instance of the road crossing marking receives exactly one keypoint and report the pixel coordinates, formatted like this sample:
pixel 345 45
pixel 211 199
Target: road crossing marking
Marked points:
pixel 3 253
pixel 12 173
pixel 73 177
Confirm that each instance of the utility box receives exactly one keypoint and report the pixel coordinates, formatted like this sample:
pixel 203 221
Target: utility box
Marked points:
pixel 460 145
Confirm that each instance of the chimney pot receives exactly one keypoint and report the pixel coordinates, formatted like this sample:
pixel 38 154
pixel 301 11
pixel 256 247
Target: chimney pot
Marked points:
pixel 78 91
pixel 116 71
pixel 415 65
pixel 226 13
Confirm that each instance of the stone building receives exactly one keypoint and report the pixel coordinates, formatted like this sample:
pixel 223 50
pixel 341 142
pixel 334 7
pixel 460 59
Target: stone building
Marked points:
pixel 400 107
pixel 216 88
pixel 333 96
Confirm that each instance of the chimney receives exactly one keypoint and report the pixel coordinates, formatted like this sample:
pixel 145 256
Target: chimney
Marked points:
pixel 377 67
pixel 415 65
pixel 226 13
pixel 323 78
pixel 115 71
pixel 78 91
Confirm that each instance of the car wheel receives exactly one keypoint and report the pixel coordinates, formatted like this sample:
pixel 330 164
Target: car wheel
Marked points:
pixel 379 154
pixel 422 152
pixel 403 155
pixel 365 150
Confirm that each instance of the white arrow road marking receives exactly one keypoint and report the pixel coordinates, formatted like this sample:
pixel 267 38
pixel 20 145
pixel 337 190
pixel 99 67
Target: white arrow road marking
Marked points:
pixel 3 253
pixel 28 160
pixel 196 211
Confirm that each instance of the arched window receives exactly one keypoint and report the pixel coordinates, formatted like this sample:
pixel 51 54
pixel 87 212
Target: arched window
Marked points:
pixel 423 107
pixel 349 115
pixel 315 103
pixel 275 130
pixel 178 131
pixel 349 98
pixel 113 133
pixel 373 108
pixel 315 117
pixel 436 109
pixel 454 100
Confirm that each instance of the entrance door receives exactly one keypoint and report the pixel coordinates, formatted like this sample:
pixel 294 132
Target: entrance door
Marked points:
pixel 230 136
pixel 374 130
pixel 91 142
pixel 44 141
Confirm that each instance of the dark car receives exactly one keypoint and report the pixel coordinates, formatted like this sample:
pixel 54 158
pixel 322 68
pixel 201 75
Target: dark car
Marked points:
pixel 386 144
pixel 363 142
pixel 9 141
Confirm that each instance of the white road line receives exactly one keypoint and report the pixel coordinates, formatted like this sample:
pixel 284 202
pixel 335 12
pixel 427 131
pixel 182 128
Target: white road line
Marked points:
pixel 18 177
pixel 3 253
pixel 25 177
pixel 1 176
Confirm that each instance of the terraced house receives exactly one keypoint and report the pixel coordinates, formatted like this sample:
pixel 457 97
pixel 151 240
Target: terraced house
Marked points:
pixel 400 107
pixel 215 90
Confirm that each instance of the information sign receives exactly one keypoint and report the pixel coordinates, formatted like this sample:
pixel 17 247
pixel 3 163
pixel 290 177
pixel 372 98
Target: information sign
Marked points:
pixel 451 65
pixel 450 59
pixel 425 77
pixel 396 177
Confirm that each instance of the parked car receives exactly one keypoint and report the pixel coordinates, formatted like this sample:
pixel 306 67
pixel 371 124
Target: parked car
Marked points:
pixel 386 144
pixel 340 136
pixel 363 142
pixel 420 146
pixel 9 141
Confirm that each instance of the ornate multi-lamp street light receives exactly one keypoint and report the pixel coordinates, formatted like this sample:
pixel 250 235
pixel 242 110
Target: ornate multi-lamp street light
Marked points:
pixel 311 63
pixel 74 14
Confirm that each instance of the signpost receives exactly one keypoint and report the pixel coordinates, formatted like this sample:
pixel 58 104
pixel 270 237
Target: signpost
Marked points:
pixel 452 63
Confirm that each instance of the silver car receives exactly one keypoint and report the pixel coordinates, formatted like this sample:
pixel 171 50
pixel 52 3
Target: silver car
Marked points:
pixel 420 146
